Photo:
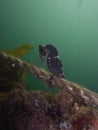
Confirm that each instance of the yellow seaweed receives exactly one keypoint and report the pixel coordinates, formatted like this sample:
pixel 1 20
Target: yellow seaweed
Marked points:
pixel 19 51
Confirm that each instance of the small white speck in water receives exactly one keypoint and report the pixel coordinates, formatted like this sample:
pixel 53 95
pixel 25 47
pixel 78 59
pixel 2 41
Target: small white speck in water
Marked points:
pixel 50 126
pixel 36 103
pixel 70 88
pixel 13 64
pixel 63 125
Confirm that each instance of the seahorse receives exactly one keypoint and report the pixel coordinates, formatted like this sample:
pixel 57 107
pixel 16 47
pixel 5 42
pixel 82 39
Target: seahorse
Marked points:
pixel 54 63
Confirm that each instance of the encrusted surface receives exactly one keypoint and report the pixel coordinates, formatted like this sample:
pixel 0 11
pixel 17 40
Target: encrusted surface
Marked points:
pixel 72 108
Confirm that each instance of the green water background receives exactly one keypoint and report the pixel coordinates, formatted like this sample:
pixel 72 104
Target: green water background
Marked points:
pixel 70 25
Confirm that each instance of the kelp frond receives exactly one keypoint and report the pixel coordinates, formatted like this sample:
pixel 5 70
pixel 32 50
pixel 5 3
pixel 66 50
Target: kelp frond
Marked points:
pixel 19 51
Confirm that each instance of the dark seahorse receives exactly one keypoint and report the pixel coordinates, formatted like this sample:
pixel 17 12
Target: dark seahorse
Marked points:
pixel 54 63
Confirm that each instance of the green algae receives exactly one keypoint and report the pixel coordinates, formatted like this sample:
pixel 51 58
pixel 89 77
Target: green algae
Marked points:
pixel 19 51
pixel 11 72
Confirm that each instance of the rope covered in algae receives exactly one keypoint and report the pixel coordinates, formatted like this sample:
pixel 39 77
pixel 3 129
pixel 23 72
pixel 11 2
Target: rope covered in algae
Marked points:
pixel 79 92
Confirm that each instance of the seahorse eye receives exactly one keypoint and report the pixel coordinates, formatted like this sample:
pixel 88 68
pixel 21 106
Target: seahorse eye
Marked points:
pixel 42 52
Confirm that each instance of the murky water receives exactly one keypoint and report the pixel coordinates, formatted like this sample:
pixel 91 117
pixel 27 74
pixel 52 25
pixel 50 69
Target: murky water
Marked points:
pixel 70 25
